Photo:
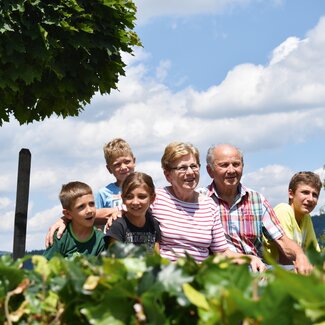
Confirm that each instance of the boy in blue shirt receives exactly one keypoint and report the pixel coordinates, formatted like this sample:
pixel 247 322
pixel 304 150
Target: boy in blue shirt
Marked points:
pixel 120 162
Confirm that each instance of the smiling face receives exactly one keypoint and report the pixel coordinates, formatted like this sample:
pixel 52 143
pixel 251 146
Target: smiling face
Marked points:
pixel 82 212
pixel 184 175
pixel 303 199
pixel 137 202
pixel 121 167
pixel 226 168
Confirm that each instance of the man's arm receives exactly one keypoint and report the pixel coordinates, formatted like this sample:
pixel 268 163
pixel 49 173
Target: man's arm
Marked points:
pixel 295 254
pixel 256 263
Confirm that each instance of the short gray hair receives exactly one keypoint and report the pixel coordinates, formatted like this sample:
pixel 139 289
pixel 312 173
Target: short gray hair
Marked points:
pixel 210 154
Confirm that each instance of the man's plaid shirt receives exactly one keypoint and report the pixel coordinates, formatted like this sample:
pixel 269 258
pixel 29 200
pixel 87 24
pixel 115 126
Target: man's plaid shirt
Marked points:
pixel 245 222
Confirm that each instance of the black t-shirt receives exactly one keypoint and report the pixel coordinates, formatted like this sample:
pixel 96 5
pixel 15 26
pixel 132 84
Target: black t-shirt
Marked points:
pixel 124 231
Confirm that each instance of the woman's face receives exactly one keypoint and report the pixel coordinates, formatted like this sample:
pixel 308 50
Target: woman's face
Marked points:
pixel 184 175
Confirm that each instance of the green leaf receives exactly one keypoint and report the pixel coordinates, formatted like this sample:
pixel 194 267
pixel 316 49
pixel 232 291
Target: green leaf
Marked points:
pixel 195 297
pixel 41 265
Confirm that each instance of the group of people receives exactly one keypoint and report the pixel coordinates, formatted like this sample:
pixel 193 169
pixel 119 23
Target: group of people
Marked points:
pixel 225 218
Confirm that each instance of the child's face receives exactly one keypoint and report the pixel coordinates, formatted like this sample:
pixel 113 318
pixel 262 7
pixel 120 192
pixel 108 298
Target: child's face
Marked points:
pixel 82 211
pixel 304 199
pixel 138 201
pixel 121 167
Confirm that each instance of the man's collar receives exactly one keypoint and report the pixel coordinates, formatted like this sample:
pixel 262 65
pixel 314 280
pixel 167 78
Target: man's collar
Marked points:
pixel 213 191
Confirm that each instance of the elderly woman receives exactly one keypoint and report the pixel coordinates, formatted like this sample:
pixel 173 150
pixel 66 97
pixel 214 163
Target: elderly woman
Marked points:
pixel 189 222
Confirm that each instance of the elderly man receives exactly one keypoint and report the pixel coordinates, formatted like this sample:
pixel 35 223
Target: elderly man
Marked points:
pixel 245 214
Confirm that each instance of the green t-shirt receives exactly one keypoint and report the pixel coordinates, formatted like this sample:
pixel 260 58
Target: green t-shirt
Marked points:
pixel 68 245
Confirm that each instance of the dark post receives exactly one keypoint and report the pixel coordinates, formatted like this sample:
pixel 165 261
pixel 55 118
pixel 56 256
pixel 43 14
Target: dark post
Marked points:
pixel 21 203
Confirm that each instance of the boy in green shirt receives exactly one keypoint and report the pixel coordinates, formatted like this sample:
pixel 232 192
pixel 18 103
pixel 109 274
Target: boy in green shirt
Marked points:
pixel 80 236
pixel 303 193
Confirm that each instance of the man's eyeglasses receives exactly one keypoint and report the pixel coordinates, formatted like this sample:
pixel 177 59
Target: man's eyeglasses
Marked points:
pixel 184 168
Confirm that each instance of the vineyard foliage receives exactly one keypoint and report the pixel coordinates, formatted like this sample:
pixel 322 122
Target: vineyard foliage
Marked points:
pixel 128 287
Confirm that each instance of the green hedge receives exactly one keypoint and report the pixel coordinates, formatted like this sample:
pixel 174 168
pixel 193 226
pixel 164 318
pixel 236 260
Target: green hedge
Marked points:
pixel 128 287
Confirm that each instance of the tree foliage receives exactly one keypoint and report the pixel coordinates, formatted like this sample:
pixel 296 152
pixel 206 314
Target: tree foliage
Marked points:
pixel 55 54
pixel 128 287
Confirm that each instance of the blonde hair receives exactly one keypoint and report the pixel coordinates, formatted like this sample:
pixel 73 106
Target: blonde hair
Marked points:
pixel 136 179
pixel 71 191
pixel 116 148
pixel 176 150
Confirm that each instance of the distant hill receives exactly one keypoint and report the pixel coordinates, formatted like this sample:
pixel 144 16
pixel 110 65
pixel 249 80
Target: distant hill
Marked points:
pixel 319 224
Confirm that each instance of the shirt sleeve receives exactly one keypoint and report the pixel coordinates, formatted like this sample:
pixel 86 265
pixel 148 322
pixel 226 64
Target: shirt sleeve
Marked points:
pixel 104 240
pixel 286 218
pixel 218 242
pixel 157 230
pixel 54 249
pixel 311 236
pixel 117 231
pixel 99 203
pixel 271 223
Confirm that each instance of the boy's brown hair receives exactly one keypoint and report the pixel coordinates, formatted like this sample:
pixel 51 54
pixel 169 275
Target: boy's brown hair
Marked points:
pixel 307 178
pixel 71 191
pixel 116 148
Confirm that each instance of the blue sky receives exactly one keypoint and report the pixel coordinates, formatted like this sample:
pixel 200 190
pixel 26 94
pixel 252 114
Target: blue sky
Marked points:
pixel 246 72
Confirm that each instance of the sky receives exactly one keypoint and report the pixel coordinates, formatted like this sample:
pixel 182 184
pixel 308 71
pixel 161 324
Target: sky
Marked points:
pixel 246 72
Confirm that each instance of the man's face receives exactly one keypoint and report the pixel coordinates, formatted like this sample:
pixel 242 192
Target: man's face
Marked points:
pixel 226 168
pixel 122 167
pixel 304 199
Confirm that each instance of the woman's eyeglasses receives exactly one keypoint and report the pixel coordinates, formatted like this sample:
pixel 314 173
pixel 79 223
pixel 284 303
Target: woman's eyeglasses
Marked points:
pixel 184 168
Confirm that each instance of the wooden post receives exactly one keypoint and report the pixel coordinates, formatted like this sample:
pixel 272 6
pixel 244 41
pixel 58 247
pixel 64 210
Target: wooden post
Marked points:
pixel 21 203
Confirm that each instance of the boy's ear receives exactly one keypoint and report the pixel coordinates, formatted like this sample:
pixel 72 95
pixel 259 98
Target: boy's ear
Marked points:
pixel 290 194
pixel 152 199
pixel 67 214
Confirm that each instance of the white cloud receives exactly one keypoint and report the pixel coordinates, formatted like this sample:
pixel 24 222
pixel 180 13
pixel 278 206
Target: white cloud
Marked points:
pixel 5 182
pixel 5 202
pixel 272 181
pixel 284 49
pixel 41 221
pixel 162 70
pixel 292 81
pixel 7 221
